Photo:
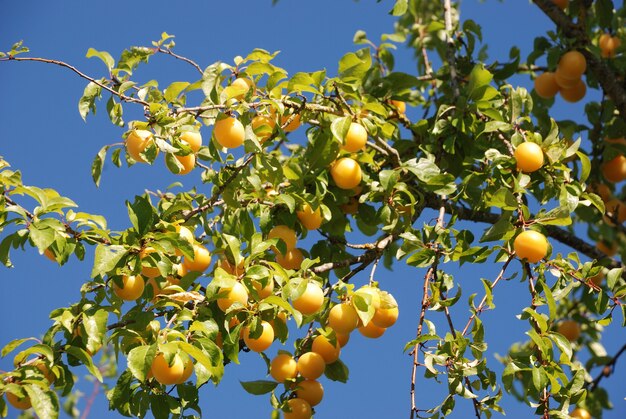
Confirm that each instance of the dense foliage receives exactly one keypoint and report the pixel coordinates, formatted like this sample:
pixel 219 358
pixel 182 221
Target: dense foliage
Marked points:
pixel 199 276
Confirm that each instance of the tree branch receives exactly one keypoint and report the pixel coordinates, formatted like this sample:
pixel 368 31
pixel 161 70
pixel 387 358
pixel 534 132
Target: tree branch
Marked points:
pixel 607 370
pixel 168 51
pixel 122 97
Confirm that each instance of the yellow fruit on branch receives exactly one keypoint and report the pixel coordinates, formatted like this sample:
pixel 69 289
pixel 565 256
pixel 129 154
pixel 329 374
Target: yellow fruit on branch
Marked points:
pixel 294 123
pixel 346 173
pixel 264 291
pixel 574 93
pixel 244 85
pixel 263 127
pixel 187 371
pixel 167 373
pixel 529 157
pixel 133 286
pixel 372 331
pixel 285 234
pixel 343 318
pixel 229 132
pixel 310 219
pixel 193 140
pixel 188 162
pixel 311 300
pixel 290 260
pixel 17 402
pixel 546 85
pixel 356 138
pixel 310 391
pixel 572 65
pixel 283 367
pixel 323 346
pixel 580 413
pixel 570 329
pixel 531 245
pixel 608 45
pixel 297 409
pixel 148 268
pixel 200 261
pixel 237 294
pixel 137 142
pixel 614 170
pixel 261 343
pixel 387 314
pixel 399 105
pixel 311 365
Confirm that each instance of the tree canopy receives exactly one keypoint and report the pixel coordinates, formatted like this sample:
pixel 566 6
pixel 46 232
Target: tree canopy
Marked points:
pixel 340 160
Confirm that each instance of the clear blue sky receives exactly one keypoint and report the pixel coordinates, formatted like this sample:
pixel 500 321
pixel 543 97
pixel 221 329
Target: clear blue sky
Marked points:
pixel 44 136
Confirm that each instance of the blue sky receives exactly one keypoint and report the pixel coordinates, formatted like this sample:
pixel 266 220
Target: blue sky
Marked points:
pixel 44 136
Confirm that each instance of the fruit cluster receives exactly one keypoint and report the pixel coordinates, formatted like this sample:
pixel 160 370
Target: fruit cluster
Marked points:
pixel 566 80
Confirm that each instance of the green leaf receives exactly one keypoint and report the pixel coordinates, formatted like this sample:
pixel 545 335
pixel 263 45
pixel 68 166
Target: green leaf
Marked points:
pixel 106 259
pixel 399 8
pixel 353 66
pixel 45 403
pixel 141 214
pixel 98 164
pixel 173 90
pixel 210 356
pixel 258 387
pixel 10 347
pixel 586 166
pixel 85 359
pixel 340 127
pixel 140 360
pixel 479 80
pixel 503 198
pixel 87 101
pixel 564 346
pixel 103 55
pixel 500 229
pixel 539 318
pixel 337 371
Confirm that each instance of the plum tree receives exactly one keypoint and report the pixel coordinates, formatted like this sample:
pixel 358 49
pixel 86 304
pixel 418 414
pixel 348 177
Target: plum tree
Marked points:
pixel 312 180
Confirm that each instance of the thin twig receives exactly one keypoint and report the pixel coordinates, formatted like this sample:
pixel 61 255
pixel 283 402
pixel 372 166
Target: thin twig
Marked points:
pixel 167 51
pixel 481 306
pixel 122 97
pixel 607 370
